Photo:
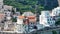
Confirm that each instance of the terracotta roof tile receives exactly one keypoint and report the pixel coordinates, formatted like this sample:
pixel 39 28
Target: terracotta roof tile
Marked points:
pixel 21 17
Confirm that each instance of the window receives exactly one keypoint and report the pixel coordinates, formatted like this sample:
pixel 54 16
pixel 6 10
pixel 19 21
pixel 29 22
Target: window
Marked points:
pixel 19 30
pixel 48 19
pixel 51 22
pixel 5 13
pixel 2 21
pixel 48 22
pixel 31 23
pixel 23 25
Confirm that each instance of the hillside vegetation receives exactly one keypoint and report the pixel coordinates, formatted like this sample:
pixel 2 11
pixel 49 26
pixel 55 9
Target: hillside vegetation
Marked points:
pixel 30 5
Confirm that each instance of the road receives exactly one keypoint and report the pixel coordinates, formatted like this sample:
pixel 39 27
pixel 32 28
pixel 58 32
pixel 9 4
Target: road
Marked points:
pixel 46 29
pixel 41 30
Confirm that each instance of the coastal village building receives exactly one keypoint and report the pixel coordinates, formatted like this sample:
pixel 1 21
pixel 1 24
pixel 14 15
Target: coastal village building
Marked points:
pixel 28 20
pixel 56 13
pixel 16 14
pixel 1 4
pixel 2 17
pixel 45 19
pixel 8 15
pixel 9 26
pixel 28 14
pixel 7 8
pixel 20 25
pixel 8 11
pixel 31 18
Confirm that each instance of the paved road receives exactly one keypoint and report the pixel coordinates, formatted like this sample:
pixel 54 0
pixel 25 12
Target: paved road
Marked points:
pixel 41 30
pixel 47 29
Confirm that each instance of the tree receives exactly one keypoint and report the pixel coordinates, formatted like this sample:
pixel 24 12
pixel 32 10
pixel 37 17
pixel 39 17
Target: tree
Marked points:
pixel 14 20
pixel 54 32
pixel 57 22
pixel 22 5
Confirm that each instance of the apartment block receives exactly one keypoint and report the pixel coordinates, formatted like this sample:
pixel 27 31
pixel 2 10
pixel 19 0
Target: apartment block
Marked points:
pixel 20 25
pixel 46 19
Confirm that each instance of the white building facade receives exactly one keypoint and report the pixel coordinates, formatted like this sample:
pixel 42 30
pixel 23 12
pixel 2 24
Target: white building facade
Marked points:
pixel 56 11
pixel 1 4
pixel 7 8
pixel 20 25
pixel 46 19
pixel 8 15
